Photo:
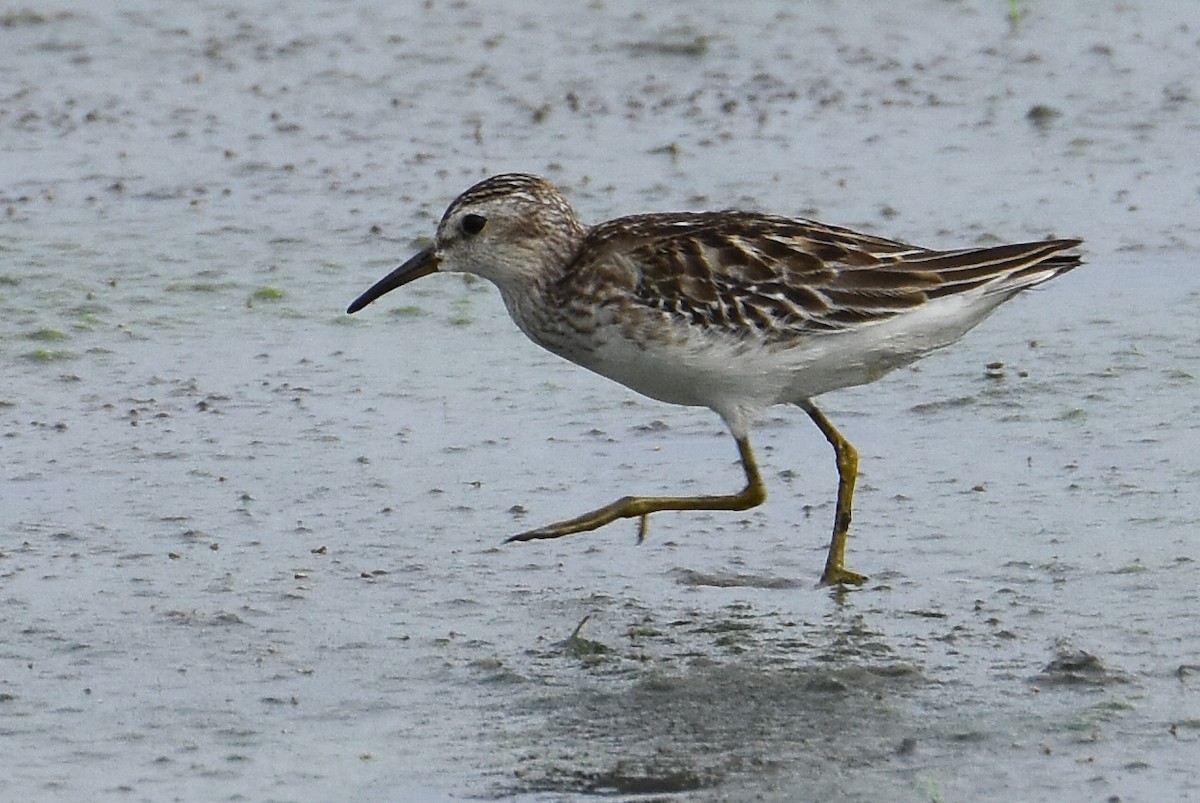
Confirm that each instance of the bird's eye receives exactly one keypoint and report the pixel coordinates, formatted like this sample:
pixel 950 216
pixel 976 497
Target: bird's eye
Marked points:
pixel 473 224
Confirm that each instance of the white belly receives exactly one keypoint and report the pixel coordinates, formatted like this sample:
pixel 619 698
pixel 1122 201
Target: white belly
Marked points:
pixel 741 377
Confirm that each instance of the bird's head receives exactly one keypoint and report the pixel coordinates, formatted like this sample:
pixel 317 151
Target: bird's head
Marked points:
pixel 512 229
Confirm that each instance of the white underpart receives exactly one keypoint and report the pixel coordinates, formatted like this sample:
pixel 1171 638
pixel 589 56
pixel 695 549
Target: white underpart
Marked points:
pixel 739 378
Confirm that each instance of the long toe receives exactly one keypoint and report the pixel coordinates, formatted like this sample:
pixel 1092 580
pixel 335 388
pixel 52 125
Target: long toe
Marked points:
pixel 841 576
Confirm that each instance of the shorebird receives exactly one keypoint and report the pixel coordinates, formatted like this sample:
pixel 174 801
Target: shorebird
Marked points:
pixel 734 311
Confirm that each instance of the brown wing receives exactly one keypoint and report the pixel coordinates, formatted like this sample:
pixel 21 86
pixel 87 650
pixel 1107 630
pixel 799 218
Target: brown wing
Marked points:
pixel 781 276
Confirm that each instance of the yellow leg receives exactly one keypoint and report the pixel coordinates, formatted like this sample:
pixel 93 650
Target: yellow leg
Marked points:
pixel 836 572
pixel 642 506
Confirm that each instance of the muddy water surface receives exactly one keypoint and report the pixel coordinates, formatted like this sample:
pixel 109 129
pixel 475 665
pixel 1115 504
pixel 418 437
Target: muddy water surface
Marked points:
pixel 250 548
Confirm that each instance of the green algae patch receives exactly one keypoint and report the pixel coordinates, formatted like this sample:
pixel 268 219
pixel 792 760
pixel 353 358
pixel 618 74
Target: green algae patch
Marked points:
pixel 407 311
pixel 48 334
pixel 200 287
pixel 50 355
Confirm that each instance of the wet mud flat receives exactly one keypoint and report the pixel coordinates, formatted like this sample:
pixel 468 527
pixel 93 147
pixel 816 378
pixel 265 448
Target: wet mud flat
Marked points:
pixel 250 548
pixel 747 700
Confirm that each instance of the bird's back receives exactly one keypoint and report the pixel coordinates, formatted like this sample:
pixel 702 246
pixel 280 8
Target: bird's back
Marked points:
pixel 692 307
pixel 781 278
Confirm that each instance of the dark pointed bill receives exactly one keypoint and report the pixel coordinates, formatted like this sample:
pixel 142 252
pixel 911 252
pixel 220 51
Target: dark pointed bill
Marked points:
pixel 422 264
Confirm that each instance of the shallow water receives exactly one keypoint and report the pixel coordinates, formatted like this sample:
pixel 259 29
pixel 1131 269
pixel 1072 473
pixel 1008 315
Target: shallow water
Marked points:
pixel 250 547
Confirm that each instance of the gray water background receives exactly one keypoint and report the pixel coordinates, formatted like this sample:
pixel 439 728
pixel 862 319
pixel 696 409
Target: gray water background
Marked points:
pixel 250 547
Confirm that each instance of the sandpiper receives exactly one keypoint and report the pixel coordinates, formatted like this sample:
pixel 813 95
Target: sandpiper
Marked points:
pixel 734 311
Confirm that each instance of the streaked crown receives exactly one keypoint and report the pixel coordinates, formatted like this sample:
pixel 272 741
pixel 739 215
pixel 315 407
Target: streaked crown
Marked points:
pixel 509 228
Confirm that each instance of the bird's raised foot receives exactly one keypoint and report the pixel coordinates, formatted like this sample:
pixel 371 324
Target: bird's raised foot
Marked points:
pixel 534 535
pixel 625 507
pixel 582 524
